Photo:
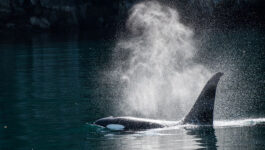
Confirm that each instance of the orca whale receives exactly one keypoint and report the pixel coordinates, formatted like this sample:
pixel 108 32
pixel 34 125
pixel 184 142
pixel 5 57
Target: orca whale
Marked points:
pixel 200 114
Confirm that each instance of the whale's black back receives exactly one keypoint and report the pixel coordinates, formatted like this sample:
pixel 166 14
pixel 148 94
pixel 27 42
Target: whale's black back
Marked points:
pixel 201 113
pixel 129 123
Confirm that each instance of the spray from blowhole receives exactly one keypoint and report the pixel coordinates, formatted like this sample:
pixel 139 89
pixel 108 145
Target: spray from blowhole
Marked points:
pixel 156 71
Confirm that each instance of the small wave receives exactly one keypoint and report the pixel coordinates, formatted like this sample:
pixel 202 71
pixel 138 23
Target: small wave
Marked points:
pixel 239 123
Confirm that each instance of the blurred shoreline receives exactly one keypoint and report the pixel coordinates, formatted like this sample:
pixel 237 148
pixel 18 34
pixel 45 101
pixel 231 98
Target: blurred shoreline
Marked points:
pixel 102 18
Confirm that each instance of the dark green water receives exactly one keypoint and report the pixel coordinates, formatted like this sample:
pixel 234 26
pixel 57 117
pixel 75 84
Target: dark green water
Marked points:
pixel 52 87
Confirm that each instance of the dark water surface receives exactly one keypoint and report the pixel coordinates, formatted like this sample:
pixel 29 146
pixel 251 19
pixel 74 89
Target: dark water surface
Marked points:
pixel 52 88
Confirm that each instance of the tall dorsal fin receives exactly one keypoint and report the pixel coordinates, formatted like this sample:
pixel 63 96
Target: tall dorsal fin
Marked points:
pixel 202 110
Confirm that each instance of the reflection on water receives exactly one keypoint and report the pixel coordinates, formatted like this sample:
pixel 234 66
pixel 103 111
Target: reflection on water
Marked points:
pixel 50 87
pixel 166 138
pixel 205 135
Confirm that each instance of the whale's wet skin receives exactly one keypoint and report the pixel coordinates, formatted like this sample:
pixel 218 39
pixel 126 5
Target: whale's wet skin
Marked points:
pixel 200 114
pixel 224 134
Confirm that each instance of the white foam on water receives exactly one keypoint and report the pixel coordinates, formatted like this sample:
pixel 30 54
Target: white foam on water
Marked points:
pixel 239 123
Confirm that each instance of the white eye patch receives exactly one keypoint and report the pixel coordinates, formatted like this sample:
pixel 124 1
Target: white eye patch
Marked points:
pixel 115 127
